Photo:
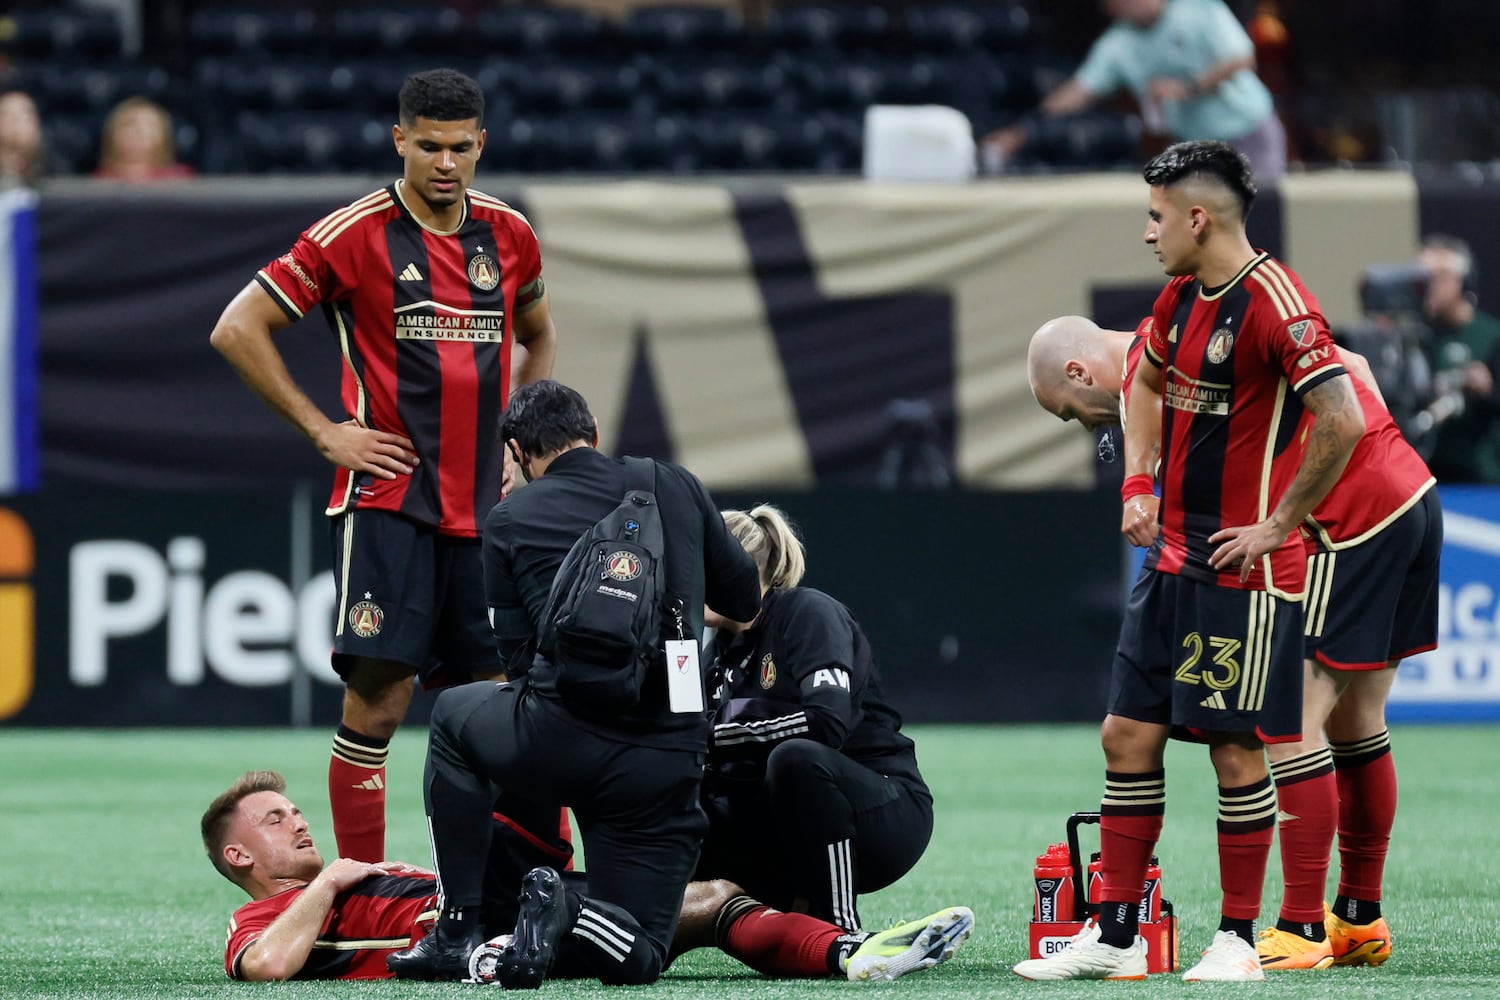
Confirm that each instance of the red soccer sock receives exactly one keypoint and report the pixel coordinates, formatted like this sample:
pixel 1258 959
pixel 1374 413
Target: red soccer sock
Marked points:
pixel 1307 796
pixel 356 794
pixel 777 944
pixel 1366 774
pixel 1130 821
pixel 1247 818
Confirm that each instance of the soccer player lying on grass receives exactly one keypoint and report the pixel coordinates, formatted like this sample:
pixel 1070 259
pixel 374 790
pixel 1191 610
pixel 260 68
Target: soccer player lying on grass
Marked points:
pixel 308 921
pixel 1372 547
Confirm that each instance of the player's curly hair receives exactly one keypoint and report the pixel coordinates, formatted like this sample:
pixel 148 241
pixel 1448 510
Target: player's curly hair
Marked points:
pixel 1217 161
pixel 768 535
pixel 215 824
pixel 441 95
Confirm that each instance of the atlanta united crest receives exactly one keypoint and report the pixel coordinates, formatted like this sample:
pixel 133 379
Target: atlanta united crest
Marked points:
pixel 1219 345
pixel 767 672
pixel 483 273
pixel 622 566
pixel 366 618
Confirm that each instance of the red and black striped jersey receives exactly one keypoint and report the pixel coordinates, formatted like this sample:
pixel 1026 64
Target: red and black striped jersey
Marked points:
pixel 423 320
pixel 1133 355
pixel 382 914
pixel 1384 478
pixel 1235 362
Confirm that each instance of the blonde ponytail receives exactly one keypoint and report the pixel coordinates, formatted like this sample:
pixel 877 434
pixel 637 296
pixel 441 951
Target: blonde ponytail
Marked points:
pixel 767 534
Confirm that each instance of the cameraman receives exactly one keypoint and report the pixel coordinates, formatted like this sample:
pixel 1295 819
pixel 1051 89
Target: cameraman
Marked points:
pixel 1465 352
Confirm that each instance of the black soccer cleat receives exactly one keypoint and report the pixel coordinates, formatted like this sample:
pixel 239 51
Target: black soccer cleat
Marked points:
pixel 442 954
pixel 540 927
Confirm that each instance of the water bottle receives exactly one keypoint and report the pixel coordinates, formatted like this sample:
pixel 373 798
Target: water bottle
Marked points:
pixel 1054 885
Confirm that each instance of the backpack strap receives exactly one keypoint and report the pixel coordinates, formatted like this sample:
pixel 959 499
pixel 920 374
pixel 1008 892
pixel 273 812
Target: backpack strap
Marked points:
pixel 640 474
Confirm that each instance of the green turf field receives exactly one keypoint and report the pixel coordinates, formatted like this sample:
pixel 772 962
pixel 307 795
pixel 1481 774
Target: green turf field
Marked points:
pixel 106 893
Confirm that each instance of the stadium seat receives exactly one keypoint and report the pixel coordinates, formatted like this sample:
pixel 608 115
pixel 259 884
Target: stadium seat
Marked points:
pixel 840 86
pixel 400 31
pixel 965 27
pixel 539 30
pixel 73 140
pixel 554 88
pixel 60 32
pixel 684 28
pixel 229 30
pixel 725 82
pixel 314 142
pixel 253 84
pixel 839 27
pixel 95 88
pixel 1094 139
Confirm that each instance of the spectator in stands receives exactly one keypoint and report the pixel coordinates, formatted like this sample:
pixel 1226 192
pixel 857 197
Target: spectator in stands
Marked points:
pixel 1192 67
pixel 1465 356
pixel 22 153
pixel 136 144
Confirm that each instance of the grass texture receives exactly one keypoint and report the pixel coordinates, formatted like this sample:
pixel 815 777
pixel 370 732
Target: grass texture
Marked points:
pixel 106 892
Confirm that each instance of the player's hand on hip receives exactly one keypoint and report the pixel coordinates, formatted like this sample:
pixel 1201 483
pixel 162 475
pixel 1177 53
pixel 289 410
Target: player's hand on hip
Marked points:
pixel 1138 522
pixel 365 449
pixel 1243 544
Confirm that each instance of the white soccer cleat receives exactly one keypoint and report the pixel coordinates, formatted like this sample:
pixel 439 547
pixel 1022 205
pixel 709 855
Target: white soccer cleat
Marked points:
pixel 1230 959
pixel 1086 957
pixel 919 944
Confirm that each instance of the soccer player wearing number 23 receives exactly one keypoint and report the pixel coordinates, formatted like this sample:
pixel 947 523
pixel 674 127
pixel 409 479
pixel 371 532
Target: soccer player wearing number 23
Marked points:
pixel 1258 418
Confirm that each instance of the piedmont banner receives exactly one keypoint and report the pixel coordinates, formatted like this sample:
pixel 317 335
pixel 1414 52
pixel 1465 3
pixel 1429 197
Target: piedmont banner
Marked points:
pixel 208 611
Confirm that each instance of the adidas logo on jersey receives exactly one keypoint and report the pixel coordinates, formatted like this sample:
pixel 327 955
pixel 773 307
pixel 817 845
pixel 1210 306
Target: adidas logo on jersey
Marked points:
pixel 371 784
pixel 1215 700
pixel 411 273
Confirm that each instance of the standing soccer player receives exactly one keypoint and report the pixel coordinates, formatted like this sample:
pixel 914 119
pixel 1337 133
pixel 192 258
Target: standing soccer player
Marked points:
pixel 428 286
pixel 1258 420
pixel 1373 559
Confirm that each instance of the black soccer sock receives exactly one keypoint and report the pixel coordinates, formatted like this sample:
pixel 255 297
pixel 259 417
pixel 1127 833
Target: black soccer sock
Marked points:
pixel 1119 923
pixel 1357 911
pixel 1311 932
pixel 1244 928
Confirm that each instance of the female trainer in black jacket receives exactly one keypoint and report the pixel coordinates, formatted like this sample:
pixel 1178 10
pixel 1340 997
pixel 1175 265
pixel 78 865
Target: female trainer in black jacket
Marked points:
pixel 812 791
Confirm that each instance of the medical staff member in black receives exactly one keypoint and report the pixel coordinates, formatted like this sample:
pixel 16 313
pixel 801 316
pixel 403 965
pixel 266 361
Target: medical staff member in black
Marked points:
pixel 812 791
pixel 632 779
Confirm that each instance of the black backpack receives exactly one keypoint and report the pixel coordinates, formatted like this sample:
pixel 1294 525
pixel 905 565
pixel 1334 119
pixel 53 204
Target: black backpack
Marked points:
pixel 601 628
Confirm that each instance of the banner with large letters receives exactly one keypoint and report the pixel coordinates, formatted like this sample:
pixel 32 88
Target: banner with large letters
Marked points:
pixel 765 335
pixel 170 610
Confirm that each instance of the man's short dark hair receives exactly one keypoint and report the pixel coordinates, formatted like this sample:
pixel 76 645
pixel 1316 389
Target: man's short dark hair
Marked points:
pixel 1218 161
pixel 545 417
pixel 215 822
pixel 441 95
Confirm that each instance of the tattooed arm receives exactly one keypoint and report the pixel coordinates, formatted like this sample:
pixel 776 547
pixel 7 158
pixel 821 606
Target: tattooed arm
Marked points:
pixel 1338 423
